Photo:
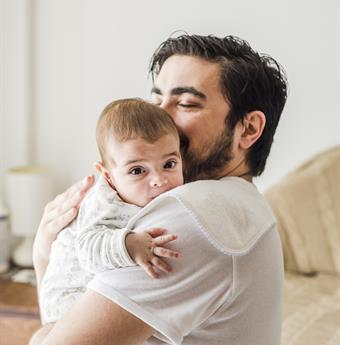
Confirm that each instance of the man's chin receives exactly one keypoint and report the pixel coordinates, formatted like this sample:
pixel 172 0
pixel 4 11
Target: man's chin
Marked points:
pixel 209 168
pixel 192 177
pixel 210 162
pixel 194 170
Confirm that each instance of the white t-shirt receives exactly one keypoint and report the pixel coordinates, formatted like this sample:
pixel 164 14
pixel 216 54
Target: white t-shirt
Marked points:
pixel 227 287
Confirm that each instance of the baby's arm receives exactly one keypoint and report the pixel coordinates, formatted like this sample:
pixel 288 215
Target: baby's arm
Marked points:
pixel 101 248
pixel 100 239
pixel 103 243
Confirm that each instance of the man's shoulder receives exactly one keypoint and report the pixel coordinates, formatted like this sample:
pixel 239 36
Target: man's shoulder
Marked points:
pixel 230 193
pixel 231 212
pixel 225 188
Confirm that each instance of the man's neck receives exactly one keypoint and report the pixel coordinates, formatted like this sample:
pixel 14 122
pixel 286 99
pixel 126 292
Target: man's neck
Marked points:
pixel 237 169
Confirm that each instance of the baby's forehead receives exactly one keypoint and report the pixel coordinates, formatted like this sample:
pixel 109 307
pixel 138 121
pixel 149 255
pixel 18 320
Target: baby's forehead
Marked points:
pixel 135 148
pixel 134 139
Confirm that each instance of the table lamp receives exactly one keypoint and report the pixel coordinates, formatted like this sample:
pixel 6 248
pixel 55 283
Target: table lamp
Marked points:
pixel 28 191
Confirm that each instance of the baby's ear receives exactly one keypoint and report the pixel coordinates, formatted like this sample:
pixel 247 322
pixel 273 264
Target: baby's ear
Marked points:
pixel 99 166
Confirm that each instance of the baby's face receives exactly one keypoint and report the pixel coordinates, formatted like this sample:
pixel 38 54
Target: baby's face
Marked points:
pixel 140 171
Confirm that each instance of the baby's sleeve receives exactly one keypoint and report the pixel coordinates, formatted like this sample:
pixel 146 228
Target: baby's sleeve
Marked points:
pixel 101 232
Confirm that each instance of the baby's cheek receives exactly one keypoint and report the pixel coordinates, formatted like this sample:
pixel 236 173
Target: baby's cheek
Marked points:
pixel 179 181
pixel 138 196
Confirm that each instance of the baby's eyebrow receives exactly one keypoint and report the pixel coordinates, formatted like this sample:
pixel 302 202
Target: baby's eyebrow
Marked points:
pixel 175 153
pixel 139 160
pixel 133 161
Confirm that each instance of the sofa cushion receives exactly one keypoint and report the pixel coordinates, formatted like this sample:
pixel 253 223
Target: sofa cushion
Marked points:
pixel 307 207
pixel 311 310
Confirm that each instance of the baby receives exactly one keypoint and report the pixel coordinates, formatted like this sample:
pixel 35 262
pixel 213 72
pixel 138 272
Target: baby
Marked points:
pixel 140 159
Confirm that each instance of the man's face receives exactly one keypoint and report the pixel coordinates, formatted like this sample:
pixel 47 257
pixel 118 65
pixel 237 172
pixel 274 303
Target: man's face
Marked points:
pixel 188 88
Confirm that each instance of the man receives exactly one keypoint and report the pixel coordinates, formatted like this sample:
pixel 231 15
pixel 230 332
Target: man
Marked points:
pixel 226 100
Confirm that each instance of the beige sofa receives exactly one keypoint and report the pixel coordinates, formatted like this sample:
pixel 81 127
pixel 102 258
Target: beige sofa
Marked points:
pixel 307 206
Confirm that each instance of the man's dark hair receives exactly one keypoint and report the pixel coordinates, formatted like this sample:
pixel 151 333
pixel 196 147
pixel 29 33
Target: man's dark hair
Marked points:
pixel 249 81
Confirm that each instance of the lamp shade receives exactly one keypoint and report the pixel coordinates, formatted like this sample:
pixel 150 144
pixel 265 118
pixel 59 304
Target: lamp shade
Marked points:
pixel 28 191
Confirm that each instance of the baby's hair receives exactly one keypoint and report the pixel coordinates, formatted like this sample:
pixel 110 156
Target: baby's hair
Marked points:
pixel 132 118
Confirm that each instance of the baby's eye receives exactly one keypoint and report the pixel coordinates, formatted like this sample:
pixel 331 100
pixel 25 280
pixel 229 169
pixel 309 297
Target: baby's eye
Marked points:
pixel 137 171
pixel 170 164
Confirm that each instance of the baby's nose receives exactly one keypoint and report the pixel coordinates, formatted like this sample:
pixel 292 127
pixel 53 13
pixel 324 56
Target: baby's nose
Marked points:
pixel 158 181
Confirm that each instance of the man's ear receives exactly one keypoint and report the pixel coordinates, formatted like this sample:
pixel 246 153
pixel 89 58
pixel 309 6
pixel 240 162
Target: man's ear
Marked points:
pixel 253 126
pixel 102 170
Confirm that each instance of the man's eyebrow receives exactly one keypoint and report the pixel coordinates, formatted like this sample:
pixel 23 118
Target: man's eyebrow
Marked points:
pixel 180 90
pixel 188 89
pixel 156 90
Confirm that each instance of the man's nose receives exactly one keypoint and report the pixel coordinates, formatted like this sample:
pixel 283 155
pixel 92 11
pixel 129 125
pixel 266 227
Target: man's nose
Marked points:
pixel 158 180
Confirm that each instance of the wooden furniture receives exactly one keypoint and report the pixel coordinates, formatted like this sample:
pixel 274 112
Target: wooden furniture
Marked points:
pixel 19 312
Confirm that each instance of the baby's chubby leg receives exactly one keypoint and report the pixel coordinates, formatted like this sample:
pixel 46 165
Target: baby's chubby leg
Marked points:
pixel 38 337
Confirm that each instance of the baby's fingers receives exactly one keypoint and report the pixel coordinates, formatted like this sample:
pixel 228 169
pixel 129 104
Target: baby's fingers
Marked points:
pixel 166 253
pixel 149 270
pixel 160 264
pixel 160 240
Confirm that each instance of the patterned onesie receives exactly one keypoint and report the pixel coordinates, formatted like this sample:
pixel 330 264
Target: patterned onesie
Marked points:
pixel 94 242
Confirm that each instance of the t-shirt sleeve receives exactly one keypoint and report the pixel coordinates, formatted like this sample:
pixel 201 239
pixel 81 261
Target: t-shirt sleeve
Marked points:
pixel 178 302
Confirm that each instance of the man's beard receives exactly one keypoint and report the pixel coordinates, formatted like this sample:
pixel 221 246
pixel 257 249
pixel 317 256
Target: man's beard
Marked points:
pixel 209 163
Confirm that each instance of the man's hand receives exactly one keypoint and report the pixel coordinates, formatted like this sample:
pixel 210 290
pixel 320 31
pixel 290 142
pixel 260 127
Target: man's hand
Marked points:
pixel 146 249
pixel 57 215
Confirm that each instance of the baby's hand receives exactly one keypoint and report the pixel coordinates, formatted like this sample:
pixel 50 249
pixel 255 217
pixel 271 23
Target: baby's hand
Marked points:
pixel 146 249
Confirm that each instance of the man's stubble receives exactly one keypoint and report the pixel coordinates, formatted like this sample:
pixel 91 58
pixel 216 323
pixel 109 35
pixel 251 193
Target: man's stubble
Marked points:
pixel 209 162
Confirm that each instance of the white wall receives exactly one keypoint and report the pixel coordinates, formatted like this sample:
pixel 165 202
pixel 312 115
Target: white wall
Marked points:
pixel 91 52
pixel 16 86
pixel 2 90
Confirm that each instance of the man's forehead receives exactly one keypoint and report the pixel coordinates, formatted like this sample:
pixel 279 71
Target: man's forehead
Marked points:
pixel 181 73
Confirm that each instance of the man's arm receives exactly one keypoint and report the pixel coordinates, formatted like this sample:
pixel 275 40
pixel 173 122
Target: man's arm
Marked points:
pixel 96 320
